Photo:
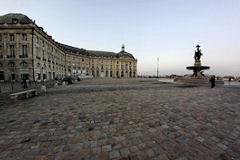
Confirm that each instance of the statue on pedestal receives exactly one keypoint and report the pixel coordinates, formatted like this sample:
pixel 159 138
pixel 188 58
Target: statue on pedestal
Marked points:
pixel 198 54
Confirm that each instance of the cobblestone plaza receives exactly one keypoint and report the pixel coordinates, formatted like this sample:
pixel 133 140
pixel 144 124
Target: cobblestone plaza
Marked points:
pixel 123 119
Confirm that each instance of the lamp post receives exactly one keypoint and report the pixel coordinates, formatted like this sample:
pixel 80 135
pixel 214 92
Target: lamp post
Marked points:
pixel 157 66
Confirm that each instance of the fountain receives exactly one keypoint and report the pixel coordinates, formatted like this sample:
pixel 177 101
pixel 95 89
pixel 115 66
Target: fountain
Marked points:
pixel 197 77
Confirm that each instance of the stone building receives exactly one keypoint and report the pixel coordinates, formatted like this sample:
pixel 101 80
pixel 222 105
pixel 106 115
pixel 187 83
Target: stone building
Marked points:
pixel 26 50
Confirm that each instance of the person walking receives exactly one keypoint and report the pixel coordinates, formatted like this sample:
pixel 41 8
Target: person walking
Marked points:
pixel 212 80
pixel 24 82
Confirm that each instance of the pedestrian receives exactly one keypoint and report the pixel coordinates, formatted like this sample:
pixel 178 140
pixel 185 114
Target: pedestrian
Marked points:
pixel 24 82
pixel 212 80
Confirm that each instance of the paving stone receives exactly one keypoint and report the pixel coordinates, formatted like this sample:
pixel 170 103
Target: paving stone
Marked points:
pixel 150 153
pixel 114 154
pixel 106 148
pixel 130 119
pixel 96 150
pixel 182 158
pixel 165 126
pixel 134 149
pixel 200 139
pixel 222 146
pixel 124 152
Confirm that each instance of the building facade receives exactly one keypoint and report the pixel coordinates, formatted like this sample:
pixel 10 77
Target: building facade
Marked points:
pixel 26 50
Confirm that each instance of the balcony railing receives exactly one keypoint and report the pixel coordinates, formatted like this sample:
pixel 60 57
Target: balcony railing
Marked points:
pixel 10 56
pixel 23 56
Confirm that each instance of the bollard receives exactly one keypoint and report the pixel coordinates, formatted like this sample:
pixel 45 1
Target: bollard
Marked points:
pixel 13 98
pixel 43 89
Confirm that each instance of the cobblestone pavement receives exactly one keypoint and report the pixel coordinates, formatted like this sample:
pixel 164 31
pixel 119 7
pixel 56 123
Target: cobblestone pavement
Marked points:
pixel 123 119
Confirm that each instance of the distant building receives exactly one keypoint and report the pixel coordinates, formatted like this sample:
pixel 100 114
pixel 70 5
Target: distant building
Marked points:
pixel 27 50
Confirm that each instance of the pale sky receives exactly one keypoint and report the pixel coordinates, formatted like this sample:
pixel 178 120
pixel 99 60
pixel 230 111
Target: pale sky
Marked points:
pixel 149 29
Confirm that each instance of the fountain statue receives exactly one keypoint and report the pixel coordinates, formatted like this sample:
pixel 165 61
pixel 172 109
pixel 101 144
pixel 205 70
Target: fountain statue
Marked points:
pixel 198 68
pixel 198 76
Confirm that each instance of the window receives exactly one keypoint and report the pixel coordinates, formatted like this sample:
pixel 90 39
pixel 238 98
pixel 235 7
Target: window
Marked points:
pixel 38 76
pixel 37 39
pixel 24 51
pixel 11 37
pixel 49 75
pixel 14 21
pixel 1 56
pixel 1 75
pixel 13 77
pixel 37 51
pixel 44 76
pixel 82 60
pixel 42 43
pixel 12 54
pixel 0 37
pixel 43 54
pixel 24 37
pixel 11 64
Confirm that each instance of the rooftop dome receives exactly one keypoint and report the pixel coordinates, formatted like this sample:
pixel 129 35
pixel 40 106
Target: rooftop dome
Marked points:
pixel 14 18
pixel 124 54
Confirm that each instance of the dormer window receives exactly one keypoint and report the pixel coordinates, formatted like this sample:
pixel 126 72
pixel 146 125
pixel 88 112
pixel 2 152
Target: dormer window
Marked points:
pixel 14 21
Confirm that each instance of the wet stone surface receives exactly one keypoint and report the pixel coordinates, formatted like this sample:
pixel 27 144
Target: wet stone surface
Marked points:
pixel 123 119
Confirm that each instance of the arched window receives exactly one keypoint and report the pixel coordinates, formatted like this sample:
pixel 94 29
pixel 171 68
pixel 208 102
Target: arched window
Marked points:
pixel 24 64
pixel 11 64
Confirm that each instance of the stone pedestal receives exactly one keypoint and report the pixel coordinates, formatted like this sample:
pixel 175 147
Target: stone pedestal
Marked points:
pixel 197 63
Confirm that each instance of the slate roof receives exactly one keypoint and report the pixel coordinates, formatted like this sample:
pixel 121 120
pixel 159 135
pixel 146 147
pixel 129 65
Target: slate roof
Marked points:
pixel 73 49
pixel 13 18
pixel 125 54
pixel 94 52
